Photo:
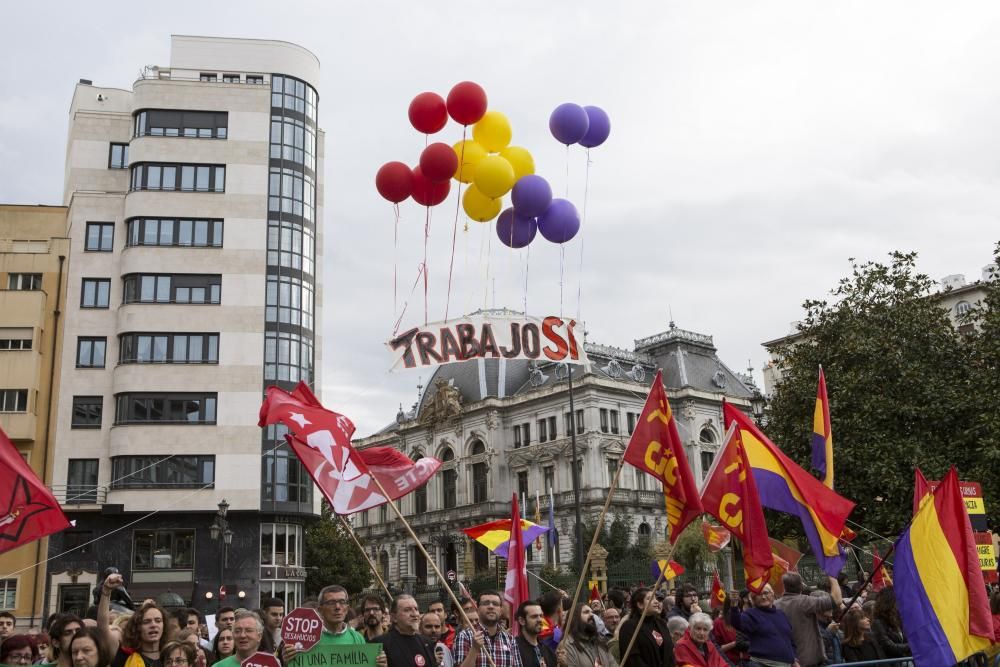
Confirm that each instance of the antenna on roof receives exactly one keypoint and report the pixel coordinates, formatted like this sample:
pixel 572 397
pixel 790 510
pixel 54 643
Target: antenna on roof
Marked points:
pixel 670 311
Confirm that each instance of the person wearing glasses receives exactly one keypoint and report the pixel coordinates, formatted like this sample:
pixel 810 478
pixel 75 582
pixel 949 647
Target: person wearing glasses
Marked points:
pixel 768 630
pixel 247 630
pixel 686 603
pixel 18 650
pixel 333 607
pixel 486 635
pixel 179 654
pixel 371 617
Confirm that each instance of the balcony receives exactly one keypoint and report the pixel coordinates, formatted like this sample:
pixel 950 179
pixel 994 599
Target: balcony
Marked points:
pixel 80 497
pixel 19 426
pixel 23 308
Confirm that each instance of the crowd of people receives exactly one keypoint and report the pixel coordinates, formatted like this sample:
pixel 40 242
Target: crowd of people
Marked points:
pixel 799 628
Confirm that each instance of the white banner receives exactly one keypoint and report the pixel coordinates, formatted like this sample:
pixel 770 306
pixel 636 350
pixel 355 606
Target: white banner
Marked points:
pixel 488 337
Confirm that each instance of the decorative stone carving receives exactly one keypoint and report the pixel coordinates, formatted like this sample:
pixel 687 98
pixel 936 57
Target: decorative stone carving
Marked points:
pixel 492 420
pixel 444 407
pixel 688 410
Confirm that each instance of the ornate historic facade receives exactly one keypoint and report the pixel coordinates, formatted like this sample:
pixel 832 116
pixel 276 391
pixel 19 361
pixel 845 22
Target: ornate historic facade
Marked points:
pixel 504 426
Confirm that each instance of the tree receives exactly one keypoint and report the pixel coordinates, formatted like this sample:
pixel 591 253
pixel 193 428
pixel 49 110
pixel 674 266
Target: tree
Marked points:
pixel 904 390
pixel 333 557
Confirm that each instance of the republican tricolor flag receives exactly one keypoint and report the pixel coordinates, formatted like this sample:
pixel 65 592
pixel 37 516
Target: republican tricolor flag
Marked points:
pixel 822 437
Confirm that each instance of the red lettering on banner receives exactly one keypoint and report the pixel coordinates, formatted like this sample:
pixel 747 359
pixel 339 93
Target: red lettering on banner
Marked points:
pixel 425 346
pixel 530 340
pixel 548 330
pixel 488 344
pixel 449 346
pixel 574 352
pixel 515 342
pixel 405 339
pixel 467 341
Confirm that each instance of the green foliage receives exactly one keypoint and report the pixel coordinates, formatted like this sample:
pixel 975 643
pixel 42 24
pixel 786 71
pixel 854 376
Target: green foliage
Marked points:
pixel 332 556
pixel 691 550
pixel 906 389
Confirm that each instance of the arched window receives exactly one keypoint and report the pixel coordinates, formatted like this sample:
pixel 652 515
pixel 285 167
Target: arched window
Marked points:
pixel 383 561
pixel 477 448
pixel 479 483
pixel 644 530
pixel 447 454
pixel 706 437
pixel 962 308
pixel 420 495
pixel 449 486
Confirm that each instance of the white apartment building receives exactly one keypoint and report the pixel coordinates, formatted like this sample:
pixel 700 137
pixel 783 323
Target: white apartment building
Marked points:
pixel 195 202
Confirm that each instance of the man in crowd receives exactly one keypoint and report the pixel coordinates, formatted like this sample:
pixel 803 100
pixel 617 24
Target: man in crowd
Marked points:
pixel 611 618
pixel 533 652
pixel 430 627
pixel 447 630
pixel 7 623
pixel 247 630
pixel 272 612
pixel 486 635
pixel 803 612
pixel 404 646
pixel 333 605
pixel 225 618
pixel 552 608
pixel 371 617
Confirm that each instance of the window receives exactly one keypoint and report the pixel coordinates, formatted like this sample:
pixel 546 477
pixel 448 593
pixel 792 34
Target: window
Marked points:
pixel 87 411
pixel 706 437
pixel 289 300
pixel 526 434
pixel 477 448
pixel 255 79
pixel 78 541
pixel 167 348
pixel 579 422
pixel 420 500
pixel 163 550
pixel 230 78
pixel 162 472
pixel 96 293
pixel 517 436
pixel 185 232
pixel 962 308
pixel 100 237
pixel 118 156
pixel 706 462
pixel 293 140
pixel 543 430
pixel 604 420
pixel 522 485
pixel 631 417
pixel 74 598
pixel 383 514
pixel 289 591
pixel 291 192
pixel 90 352
pixel 449 484
pixel 288 356
pixel 291 245
pixel 15 338
pixel 568 422
pixel 640 480
pixel 294 95
pixel 612 469
pixel 188 408
pixel 285 481
pixel 645 531
pixel 8 593
pixel 208 77
pixel 614 421
pixel 552 428
pixel 280 544
pixel 13 400
pixel 81 481
pixel 179 177
pixel 178 123
pixel 24 281
pixel 549 478
pixel 172 288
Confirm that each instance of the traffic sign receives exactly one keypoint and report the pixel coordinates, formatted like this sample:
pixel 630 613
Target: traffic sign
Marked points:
pixel 452 577
pixel 302 628
pixel 261 659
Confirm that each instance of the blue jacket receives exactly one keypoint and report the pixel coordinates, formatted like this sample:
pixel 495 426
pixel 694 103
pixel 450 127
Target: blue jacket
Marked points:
pixel 769 632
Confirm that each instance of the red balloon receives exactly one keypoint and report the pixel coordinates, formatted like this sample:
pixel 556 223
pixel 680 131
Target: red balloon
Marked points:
pixel 426 192
pixel 467 102
pixel 394 181
pixel 438 162
pixel 428 113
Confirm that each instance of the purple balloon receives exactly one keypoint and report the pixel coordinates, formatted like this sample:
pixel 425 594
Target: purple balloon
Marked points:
pixel 599 128
pixel 568 123
pixel 560 222
pixel 515 230
pixel 531 195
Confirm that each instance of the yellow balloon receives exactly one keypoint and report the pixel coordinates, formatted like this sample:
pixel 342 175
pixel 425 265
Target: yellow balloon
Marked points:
pixel 520 159
pixel 478 206
pixel 494 176
pixel 492 131
pixel 469 154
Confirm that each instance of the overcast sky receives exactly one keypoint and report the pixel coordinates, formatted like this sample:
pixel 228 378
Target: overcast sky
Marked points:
pixel 755 147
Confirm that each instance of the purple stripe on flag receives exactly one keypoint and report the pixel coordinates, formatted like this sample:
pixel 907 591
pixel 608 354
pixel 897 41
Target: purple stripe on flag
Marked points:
pixel 927 638
pixel 819 452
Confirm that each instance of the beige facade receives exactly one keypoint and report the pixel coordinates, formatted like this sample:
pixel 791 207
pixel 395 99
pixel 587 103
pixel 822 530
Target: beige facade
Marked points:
pixel 194 273
pixel 34 255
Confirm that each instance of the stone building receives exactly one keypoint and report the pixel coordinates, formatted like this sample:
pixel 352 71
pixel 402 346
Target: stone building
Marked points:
pixel 503 426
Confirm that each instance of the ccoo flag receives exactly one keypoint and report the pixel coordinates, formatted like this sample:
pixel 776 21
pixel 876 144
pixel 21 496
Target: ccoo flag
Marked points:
pixel 718 592
pixel 822 437
pixel 656 449
pixel 939 585
pixel 786 487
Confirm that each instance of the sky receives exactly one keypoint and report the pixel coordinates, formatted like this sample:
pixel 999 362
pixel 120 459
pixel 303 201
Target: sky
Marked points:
pixel 754 149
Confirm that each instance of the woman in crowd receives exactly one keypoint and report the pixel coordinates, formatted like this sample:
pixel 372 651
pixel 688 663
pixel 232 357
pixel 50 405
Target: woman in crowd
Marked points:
pixel 224 644
pixel 583 646
pixel 179 654
pixel 192 636
pixel 696 648
pixel 18 650
pixel 652 647
pixel 89 648
pixel 62 627
pixel 887 628
pixel 42 642
pixel 732 645
pixel 767 629
pixel 858 644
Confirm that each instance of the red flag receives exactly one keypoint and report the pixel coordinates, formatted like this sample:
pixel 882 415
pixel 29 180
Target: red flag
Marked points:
pixel 881 577
pixel 716 537
pixel 786 559
pixel 656 448
pixel 515 589
pixel 28 511
pixel 730 495
pixel 718 592
pixel 321 439
pixel 921 489
pixel 594 593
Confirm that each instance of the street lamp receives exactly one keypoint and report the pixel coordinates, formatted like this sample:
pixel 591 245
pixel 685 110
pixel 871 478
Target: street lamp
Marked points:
pixel 220 531
pixel 758 406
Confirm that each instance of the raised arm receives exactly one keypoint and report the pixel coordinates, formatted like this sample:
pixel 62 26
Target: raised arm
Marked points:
pixel 112 582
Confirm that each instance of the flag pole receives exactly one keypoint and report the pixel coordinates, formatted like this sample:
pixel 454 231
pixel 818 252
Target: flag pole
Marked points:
pixel 868 581
pixel 645 607
pixel 371 564
pixel 419 545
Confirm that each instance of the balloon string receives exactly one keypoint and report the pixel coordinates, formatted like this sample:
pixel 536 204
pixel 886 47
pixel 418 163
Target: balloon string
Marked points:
pixel 486 283
pixel 567 171
pixel 420 270
pixel 395 261
pixel 527 266
pixel 427 233
pixel 583 225
pixel 454 230
pixel 562 263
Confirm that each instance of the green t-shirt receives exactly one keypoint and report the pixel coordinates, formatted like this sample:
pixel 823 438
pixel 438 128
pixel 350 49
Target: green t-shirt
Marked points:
pixel 231 661
pixel 348 636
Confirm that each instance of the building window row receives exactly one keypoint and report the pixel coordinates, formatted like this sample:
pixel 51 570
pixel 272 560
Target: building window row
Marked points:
pixel 290 245
pixel 546 429
pixel 198 233
pixel 522 435
pixel 162 472
pixel 293 94
pixel 81 481
pixel 95 293
pixel 280 544
pixel 212 77
pixel 169 348
pixel 13 400
pixel 15 338
pixel 289 300
pixel 178 123
pixel 24 282
pixel 293 140
pixel 118 156
pixel 179 177
pixel 87 411
pixel 100 237
pixel 568 422
pixel 291 192
pixel 173 288
pixel 163 550
pixel 609 421
pixel 284 479
pixel 90 351
pixel 287 357
pixel 178 408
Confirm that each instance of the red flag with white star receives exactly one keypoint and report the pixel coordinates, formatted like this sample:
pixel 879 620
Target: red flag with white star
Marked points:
pixel 28 510
pixel 321 439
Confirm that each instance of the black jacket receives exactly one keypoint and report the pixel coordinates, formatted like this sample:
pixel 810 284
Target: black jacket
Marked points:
pixel 529 657
pixel 407 650
pixel 653 647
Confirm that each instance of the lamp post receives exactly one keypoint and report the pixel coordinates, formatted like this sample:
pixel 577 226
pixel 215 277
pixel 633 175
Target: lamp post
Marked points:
pixel 758 406
pixel 220 531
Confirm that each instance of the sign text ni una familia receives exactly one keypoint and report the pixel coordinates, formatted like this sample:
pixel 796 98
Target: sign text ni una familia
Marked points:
pixel 488 337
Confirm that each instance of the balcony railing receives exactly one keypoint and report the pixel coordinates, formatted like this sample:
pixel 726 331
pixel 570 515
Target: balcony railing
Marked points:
pixel 79 494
